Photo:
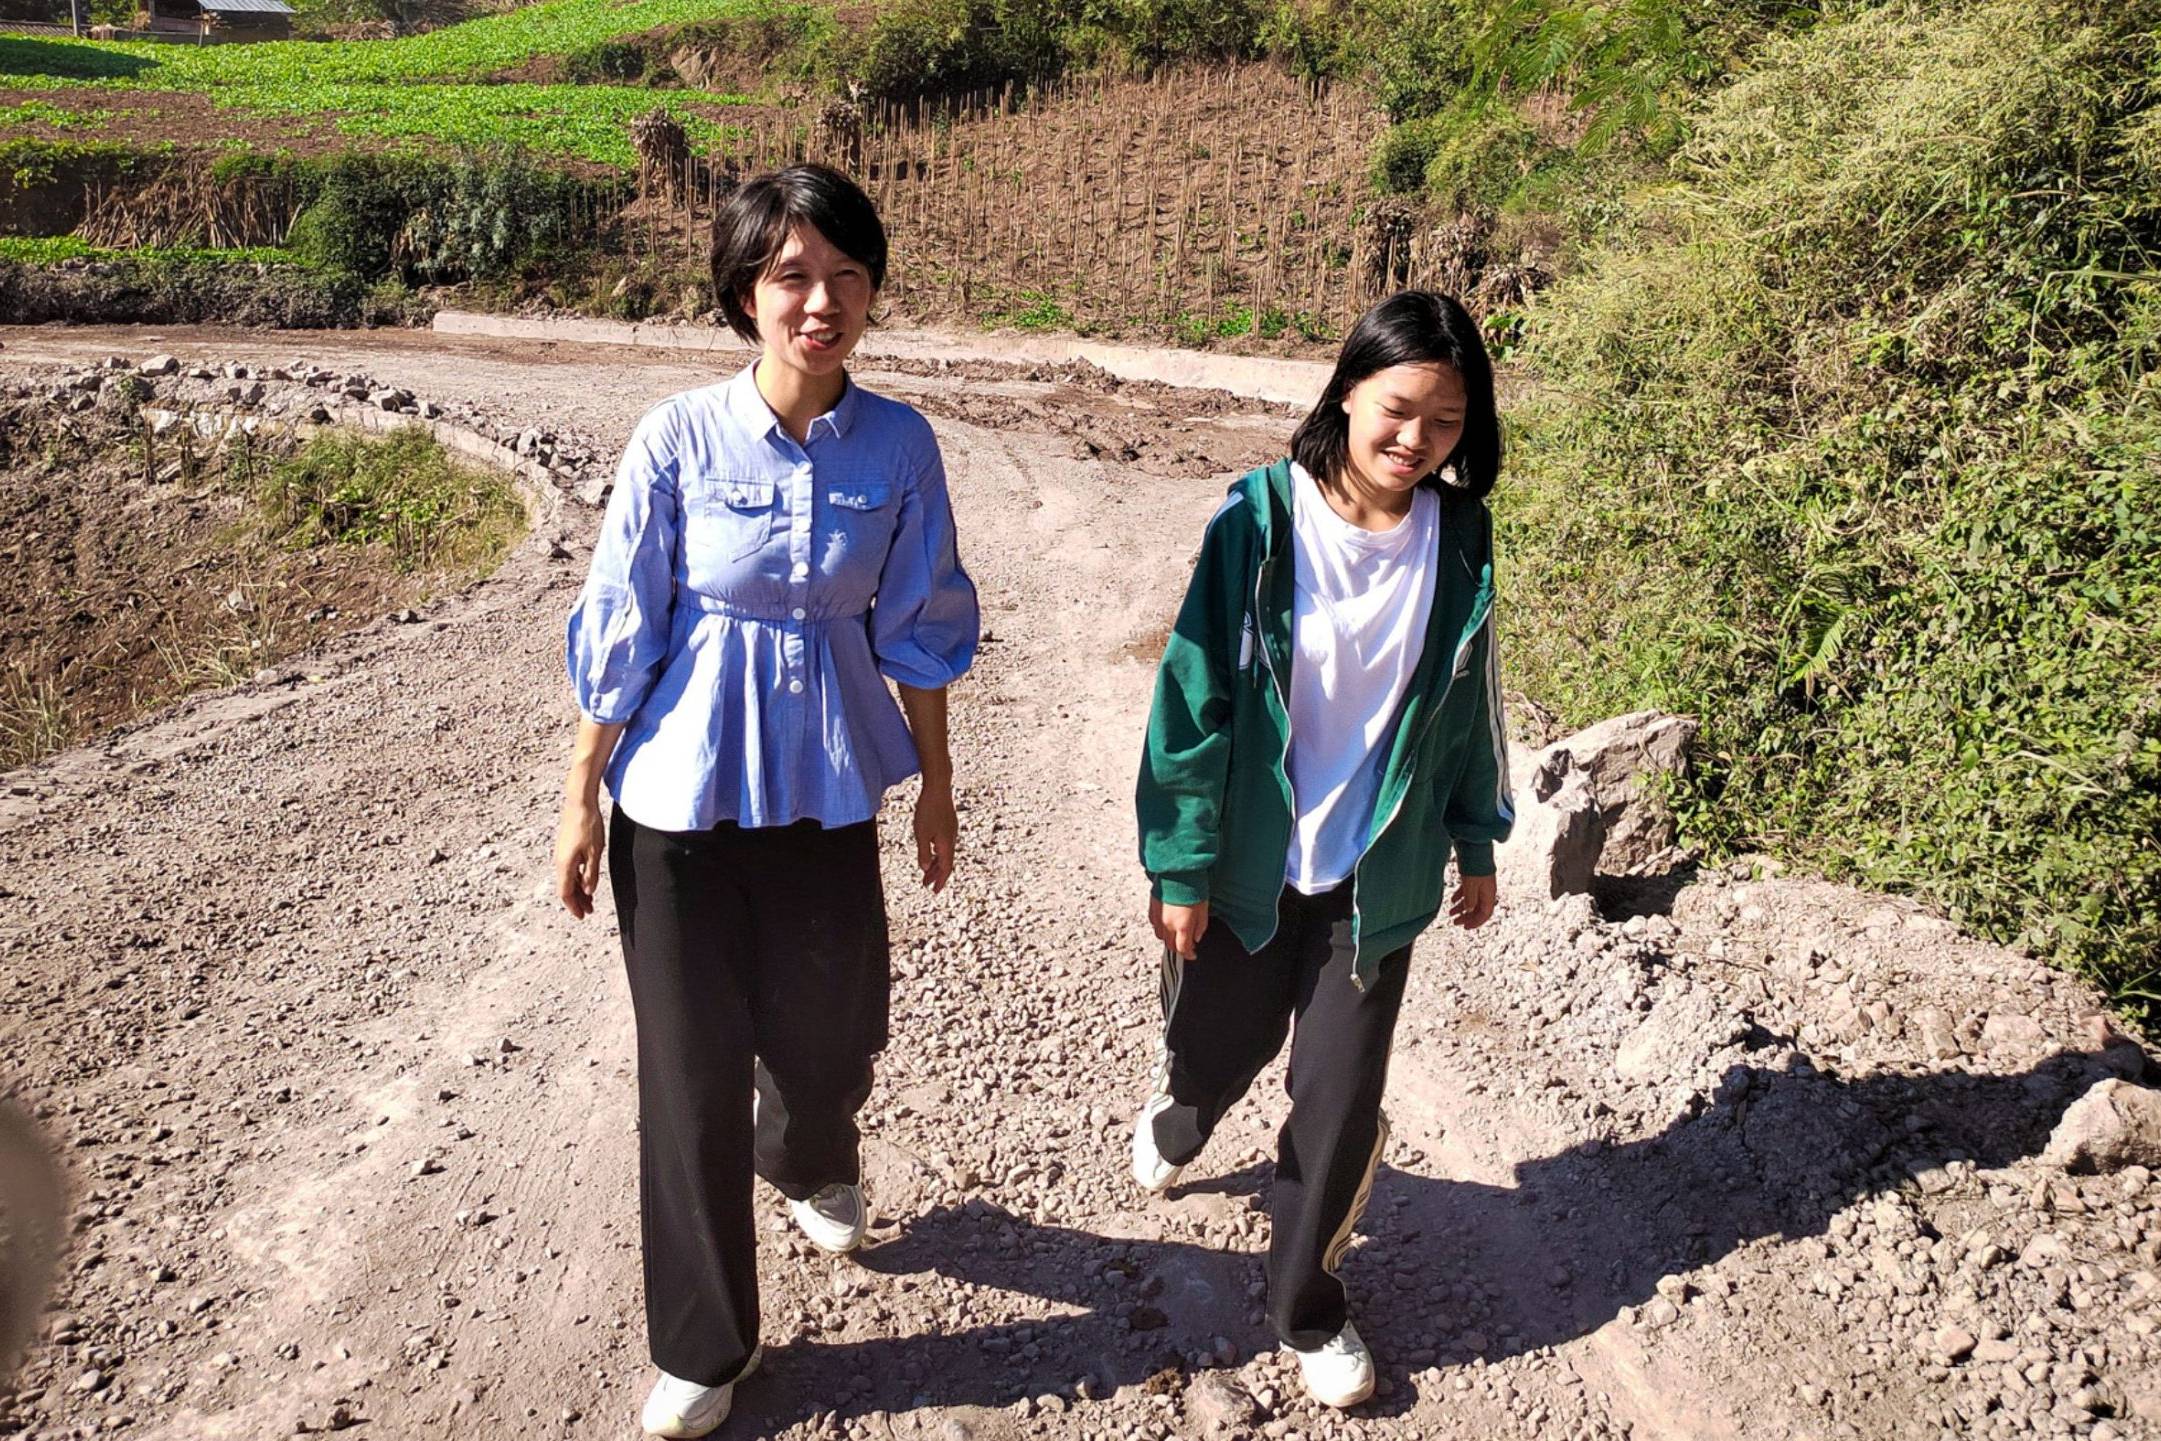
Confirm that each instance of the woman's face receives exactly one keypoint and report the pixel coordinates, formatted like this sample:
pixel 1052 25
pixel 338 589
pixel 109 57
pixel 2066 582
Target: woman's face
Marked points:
pixel 1404 421
pixel 812 304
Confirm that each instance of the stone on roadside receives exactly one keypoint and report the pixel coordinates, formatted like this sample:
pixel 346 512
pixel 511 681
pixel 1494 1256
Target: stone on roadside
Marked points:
pixel 1618 754
pixel 2114 1125
pixel 2009 1031
pixel 159 365
pixel 1216 1403
pixel 1554 847
pixel 1939 1038
pixel 1684 1026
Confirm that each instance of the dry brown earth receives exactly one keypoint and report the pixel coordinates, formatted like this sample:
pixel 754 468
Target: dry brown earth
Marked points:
pixel 347 1098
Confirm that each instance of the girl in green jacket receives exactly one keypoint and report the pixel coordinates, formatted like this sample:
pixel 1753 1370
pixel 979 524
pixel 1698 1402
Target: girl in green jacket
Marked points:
pixel 1326 733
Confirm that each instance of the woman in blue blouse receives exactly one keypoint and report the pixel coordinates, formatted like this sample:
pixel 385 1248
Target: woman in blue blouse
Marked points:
pixel 777 546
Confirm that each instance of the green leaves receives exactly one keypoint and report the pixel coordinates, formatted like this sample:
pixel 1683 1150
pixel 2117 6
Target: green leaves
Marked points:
pixel 1860 464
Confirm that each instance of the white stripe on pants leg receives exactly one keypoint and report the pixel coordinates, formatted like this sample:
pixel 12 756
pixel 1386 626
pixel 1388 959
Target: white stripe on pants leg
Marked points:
pixel 1341 1241
pixel 1169 982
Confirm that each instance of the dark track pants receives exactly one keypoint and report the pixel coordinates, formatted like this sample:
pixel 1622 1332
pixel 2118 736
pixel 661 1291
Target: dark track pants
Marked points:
pixel 1225 1014
pixel 757 961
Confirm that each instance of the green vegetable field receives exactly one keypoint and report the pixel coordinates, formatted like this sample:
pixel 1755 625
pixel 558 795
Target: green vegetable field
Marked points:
pixel 421 88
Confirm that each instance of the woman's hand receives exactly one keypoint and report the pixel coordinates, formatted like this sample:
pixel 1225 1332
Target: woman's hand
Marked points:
pixel 1472 905
pixel 580 836
pixel 1179 927
pixel 937 831
pixel 581 839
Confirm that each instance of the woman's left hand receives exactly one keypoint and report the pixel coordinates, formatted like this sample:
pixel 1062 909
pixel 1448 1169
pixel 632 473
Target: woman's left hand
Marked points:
pixel 1474 900
pixel 937 830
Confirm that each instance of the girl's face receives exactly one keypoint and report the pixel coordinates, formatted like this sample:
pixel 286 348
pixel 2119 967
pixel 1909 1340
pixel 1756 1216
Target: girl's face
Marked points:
pixel 1404 421
pixel 812 304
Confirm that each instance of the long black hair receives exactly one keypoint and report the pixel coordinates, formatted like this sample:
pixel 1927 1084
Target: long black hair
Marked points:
pixel 1411 327
pixel 755 220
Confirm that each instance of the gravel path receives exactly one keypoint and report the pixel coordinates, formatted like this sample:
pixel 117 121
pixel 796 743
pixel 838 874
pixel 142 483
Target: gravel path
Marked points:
pixel 348 1099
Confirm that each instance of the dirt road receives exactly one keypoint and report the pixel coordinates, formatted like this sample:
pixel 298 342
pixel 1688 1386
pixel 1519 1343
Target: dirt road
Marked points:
pixel 347 1098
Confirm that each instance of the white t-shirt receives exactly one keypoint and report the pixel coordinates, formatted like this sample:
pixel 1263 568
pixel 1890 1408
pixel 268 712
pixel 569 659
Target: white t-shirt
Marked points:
pixel 1358 624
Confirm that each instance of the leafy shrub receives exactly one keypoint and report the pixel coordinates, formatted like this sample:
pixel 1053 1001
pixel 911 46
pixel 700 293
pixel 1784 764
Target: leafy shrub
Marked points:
pixel 481 216
pixel 1401 158
pixel 1847 443
pixel 616 61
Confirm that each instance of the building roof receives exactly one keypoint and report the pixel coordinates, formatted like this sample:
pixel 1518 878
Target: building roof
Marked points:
pixel 245 7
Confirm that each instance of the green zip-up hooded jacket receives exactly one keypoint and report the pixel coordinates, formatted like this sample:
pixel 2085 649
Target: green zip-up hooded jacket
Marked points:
pixel 1214 795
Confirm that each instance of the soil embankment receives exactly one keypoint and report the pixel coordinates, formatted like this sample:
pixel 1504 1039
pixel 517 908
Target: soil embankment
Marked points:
pixel 348 1099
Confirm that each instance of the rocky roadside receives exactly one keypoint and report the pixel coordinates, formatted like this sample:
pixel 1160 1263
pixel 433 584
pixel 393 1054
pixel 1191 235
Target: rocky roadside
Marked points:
pixel 1700 1152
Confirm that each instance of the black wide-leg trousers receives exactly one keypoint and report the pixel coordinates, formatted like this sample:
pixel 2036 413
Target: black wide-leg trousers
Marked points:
pixel 758 965
pixel 1225 1015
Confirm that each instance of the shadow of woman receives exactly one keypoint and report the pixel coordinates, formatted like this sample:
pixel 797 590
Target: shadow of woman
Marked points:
pixel 1449 1270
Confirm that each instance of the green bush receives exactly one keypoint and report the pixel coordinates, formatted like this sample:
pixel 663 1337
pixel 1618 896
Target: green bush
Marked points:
pixel 1403 154
pixel 481 216
pixel 608 61
pixel 1848 444
pixel 1483 158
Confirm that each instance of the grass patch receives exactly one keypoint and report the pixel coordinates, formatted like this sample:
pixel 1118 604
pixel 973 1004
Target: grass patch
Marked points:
pixel 1034 310
pixel 44 112
pixel 401 494
pixel 35 719
pixel 1848 442
pixel 52 249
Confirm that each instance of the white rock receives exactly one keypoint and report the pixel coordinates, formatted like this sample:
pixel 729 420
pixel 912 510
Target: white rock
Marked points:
pixel 1619 753
pixel 1553 849
pixel 2114 1125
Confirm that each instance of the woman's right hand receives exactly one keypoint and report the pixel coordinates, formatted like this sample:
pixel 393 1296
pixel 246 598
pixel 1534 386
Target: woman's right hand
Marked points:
pixel 1178 927
pixel 581 839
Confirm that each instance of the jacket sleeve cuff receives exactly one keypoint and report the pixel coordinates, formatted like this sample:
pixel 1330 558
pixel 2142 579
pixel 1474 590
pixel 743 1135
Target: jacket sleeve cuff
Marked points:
pixel 1187 888
pixel 1474 858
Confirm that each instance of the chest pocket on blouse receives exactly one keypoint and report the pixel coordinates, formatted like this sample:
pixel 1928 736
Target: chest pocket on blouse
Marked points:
pixel 860 520
pixel 734 517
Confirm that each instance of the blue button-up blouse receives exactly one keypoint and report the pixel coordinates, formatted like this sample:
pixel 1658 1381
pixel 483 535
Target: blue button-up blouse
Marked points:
pixel 746 594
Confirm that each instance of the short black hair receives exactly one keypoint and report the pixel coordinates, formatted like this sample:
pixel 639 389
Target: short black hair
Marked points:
pixel 755 220
pixel 1411 327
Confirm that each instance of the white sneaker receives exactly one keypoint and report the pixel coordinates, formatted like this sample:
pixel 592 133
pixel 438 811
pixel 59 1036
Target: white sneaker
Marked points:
pixel 1151 1172
pixel 1339 1372
pixel 835 1218
pixel 684 1408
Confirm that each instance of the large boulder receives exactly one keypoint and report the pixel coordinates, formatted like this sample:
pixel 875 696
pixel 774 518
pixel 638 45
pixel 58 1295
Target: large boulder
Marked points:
pixel 1582 806
pixel 1618 755
pixel 2114 1125
pixel 1553 848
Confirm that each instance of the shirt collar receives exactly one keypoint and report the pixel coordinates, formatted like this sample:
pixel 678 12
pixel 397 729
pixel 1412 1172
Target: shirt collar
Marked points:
pixel 748 407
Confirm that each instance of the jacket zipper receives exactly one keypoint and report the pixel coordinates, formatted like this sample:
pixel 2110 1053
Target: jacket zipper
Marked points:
pixel 1283 762
pixel 1357 919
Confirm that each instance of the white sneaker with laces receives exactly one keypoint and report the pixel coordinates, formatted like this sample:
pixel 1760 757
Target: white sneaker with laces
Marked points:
pixel 835 1218
pixel 684 1408
pixel 1151 1172
pixel 1339 1372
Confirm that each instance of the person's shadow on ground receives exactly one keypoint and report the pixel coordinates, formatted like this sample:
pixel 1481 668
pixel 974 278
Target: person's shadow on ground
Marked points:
pixel 1582 1235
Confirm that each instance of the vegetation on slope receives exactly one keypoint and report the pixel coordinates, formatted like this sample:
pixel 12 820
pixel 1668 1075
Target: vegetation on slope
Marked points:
pixel 1848 443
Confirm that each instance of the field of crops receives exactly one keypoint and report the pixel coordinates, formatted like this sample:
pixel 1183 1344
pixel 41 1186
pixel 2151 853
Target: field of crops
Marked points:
pixel 394 89
pixel 472 50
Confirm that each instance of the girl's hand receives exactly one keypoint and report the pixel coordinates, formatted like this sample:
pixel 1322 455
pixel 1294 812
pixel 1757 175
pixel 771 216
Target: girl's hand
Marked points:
pixel 1472 905
pixel 1179 927
pixel 581 839
pixel 937 831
